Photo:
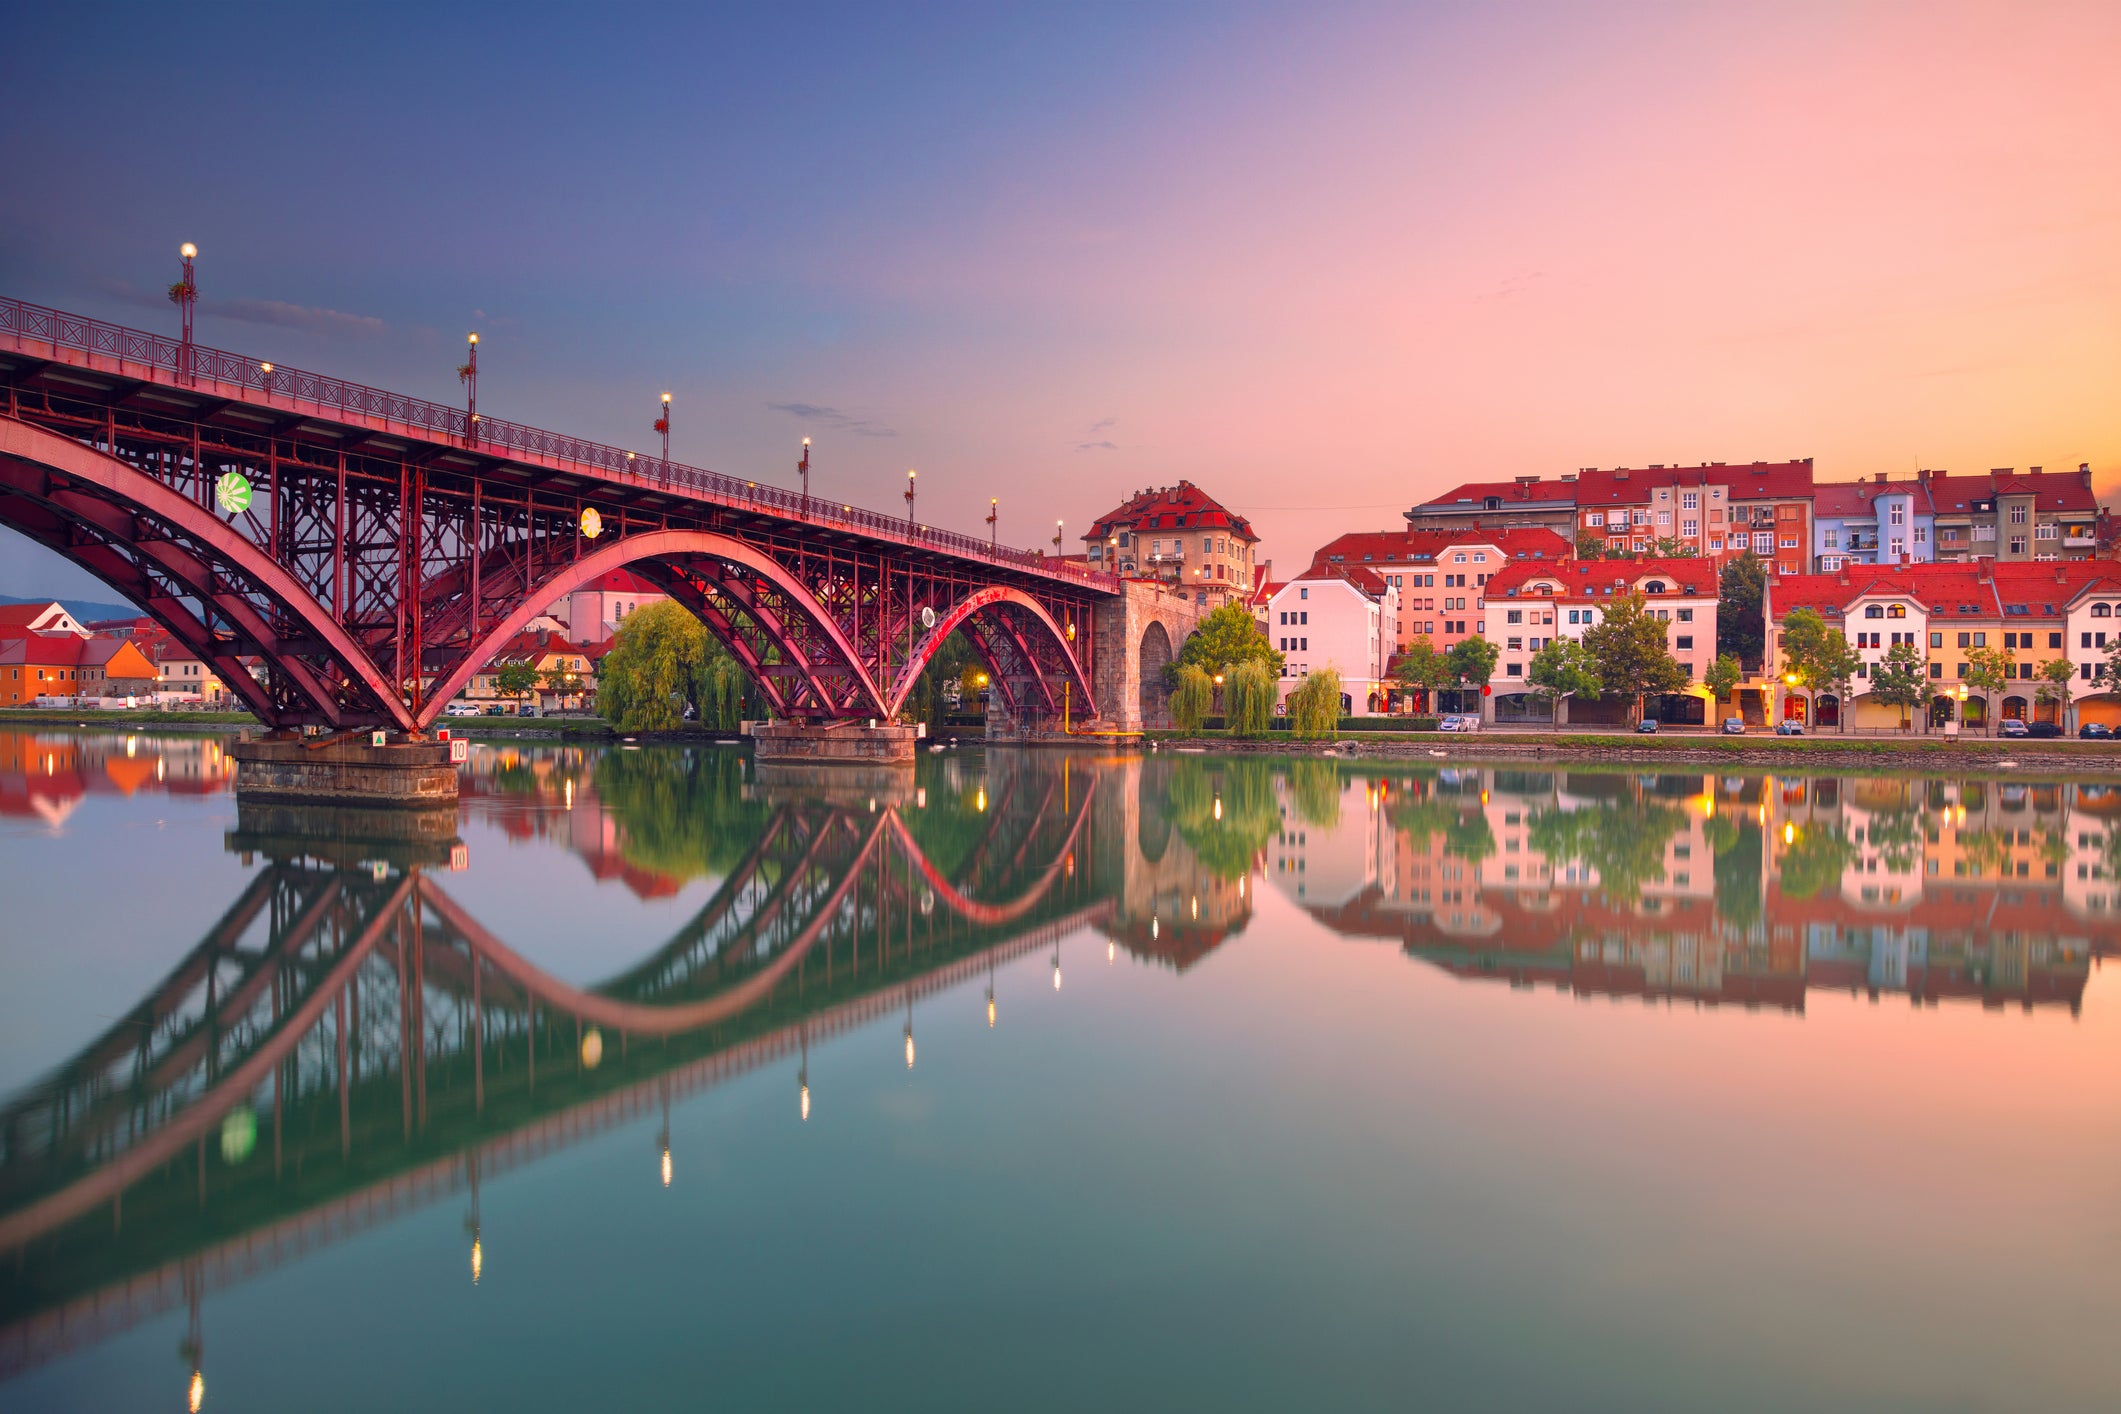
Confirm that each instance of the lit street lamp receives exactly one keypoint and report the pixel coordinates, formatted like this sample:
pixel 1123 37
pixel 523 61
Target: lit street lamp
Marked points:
pixel 909 495
pixel 662 425
pixel 994 515
pixel 802 469
pixel 185 295
pixel 468 375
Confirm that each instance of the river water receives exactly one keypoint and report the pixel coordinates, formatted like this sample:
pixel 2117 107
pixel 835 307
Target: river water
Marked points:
pixel 1039 1080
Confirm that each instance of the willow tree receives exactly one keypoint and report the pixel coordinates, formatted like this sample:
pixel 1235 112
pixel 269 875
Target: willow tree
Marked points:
pixel 1191 697
pixel 1314 707
pixel 665 665
pixel 1248 696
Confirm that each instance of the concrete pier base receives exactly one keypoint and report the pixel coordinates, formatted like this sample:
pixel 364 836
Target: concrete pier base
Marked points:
pixel 853 743
pixel 345 773
pixel 403 837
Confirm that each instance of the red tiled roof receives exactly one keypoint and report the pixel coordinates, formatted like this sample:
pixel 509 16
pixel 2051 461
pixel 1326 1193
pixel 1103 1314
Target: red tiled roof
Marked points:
pixel 1367 580
pixel 2045 587
pixel 46 650
pixel 1391 547
pixel 2051 490
pixel 620 581
pixel 1181 507
pixel 1689 576
pixel 1750 481
pixel 1511 493
pixel 1857 498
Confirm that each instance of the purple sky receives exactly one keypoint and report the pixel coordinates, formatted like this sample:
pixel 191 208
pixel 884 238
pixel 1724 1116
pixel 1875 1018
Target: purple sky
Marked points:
pixel 1324 260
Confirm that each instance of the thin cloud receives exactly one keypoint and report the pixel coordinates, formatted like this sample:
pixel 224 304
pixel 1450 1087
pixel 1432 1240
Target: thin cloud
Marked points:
pixel 1097 446
pixel 822 416
pixel 1096 443
pixel 278 314
pixel 1105 425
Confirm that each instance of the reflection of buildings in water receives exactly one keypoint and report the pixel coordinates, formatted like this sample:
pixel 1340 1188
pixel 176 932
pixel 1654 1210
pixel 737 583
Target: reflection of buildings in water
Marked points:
pixel 348 1042
pixel 45 775
pixel 1171 907
pixel 1748 890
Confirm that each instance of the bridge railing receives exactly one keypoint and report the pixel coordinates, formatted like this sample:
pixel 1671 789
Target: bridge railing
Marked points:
pixel 25 322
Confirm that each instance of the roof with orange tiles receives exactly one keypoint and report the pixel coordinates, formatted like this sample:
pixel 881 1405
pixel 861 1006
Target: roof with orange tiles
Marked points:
pixel 60 650
pixel 1976 588
pixel 1685 577
pixel 1181 507
pixel 1395 547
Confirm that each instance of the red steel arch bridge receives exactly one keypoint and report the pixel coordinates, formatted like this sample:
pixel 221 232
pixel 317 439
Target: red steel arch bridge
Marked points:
pixel 390 546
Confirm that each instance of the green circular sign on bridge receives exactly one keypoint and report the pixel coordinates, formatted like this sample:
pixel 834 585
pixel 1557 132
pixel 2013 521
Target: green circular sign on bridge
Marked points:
pixel 232 493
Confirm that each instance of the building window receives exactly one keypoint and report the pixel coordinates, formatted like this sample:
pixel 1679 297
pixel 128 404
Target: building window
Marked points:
pixel 2017 515
pixel 1896 515
pixel 2017 545
pixel 1936 640
pixel 1690 500
pixel 1690 528
pixel 1595 518
pixel 2050 531
pixel 1684 641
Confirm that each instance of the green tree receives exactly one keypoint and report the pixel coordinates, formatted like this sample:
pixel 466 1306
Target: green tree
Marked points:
pixel 2055 678
pixel 1901 679
pixel 1562 670
pixel 1225 812
pixel 1671 548
pixel 1590 545
pixel 2110 670
pixel 1192 698
pixel 1628 644
pixel 1314 789
pixel 1472 661
pixel 1988 672
pixel 1422 666
pixel 722 690
pixel 1229 635
pixel 515 679
pixel 1314 706
pixel 1741 628
pixel 652 673
pixel 1723 676
pixel 1817 657
pixel 1248 698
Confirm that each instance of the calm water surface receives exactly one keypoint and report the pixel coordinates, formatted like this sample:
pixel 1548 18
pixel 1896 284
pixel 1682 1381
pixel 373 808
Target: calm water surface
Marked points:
pixel 1044 1081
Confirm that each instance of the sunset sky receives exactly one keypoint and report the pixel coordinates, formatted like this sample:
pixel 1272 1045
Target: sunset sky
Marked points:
pixel 1324 260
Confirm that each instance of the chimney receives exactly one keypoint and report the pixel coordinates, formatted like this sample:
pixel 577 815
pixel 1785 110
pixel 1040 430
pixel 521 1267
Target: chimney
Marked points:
pixel 1843 581
pixel 1620 474
pixel 2060 577
pixel 2084 472
pixel 1922 477
pixel 1881 478
pixel 1985 569
pixel 2034 470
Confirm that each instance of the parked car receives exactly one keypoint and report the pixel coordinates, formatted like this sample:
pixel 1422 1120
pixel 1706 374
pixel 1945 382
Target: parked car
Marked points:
pixel 1734 726
pixel 1647 726
pixel 2014 728
pixel 1789 729
pixel 1459 722
pixel 461 709
pixel 2096 731
pixel 2043 729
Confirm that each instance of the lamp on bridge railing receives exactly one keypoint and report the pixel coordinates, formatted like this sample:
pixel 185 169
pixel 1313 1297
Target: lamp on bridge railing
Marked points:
pixel 994 515
pixel 802 469
pixel 1057 525
pixel 468 375
pixel 910 475
pixel 185 295
pixel 662 425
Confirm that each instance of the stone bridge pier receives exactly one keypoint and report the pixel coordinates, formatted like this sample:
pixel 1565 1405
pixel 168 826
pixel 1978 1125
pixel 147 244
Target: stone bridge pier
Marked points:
pixel 1139 630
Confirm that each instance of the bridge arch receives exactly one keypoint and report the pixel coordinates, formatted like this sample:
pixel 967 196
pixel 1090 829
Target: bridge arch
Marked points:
pixel 165 553
pixel 995 619
pixel 1156 655
pixel 686 565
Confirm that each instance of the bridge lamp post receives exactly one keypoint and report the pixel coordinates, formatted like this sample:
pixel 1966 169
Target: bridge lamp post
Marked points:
pixel 910 475
pixel 468 375
pixel 662 425
pixel 185 295
pixel 994 515
pixel 802 469
pixel 1057 538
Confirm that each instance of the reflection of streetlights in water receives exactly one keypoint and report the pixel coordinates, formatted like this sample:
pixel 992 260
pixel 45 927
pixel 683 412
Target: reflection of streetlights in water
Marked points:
pixel 1056 967
pixel 663 1139
pixel 471 1220
pixel 802 1077
pixel 909 1030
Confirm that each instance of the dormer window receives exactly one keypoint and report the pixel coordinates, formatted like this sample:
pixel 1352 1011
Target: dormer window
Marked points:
pixel 1655 586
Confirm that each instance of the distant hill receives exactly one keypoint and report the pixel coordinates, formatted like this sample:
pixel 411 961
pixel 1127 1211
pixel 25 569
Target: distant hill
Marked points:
pixel 86 610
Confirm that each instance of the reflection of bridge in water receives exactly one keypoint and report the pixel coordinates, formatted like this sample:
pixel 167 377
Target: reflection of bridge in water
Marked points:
pixel 349 1042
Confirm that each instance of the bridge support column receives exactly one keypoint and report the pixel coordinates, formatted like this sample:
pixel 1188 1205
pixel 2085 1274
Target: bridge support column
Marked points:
pixel 414 773
pixel 838 742
pixel 1143 622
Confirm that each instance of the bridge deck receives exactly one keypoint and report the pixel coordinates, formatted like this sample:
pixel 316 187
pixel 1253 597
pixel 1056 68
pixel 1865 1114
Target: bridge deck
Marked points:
pixel 108 363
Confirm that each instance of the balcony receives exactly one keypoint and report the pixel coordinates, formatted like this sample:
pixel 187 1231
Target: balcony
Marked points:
pixel 2080 542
